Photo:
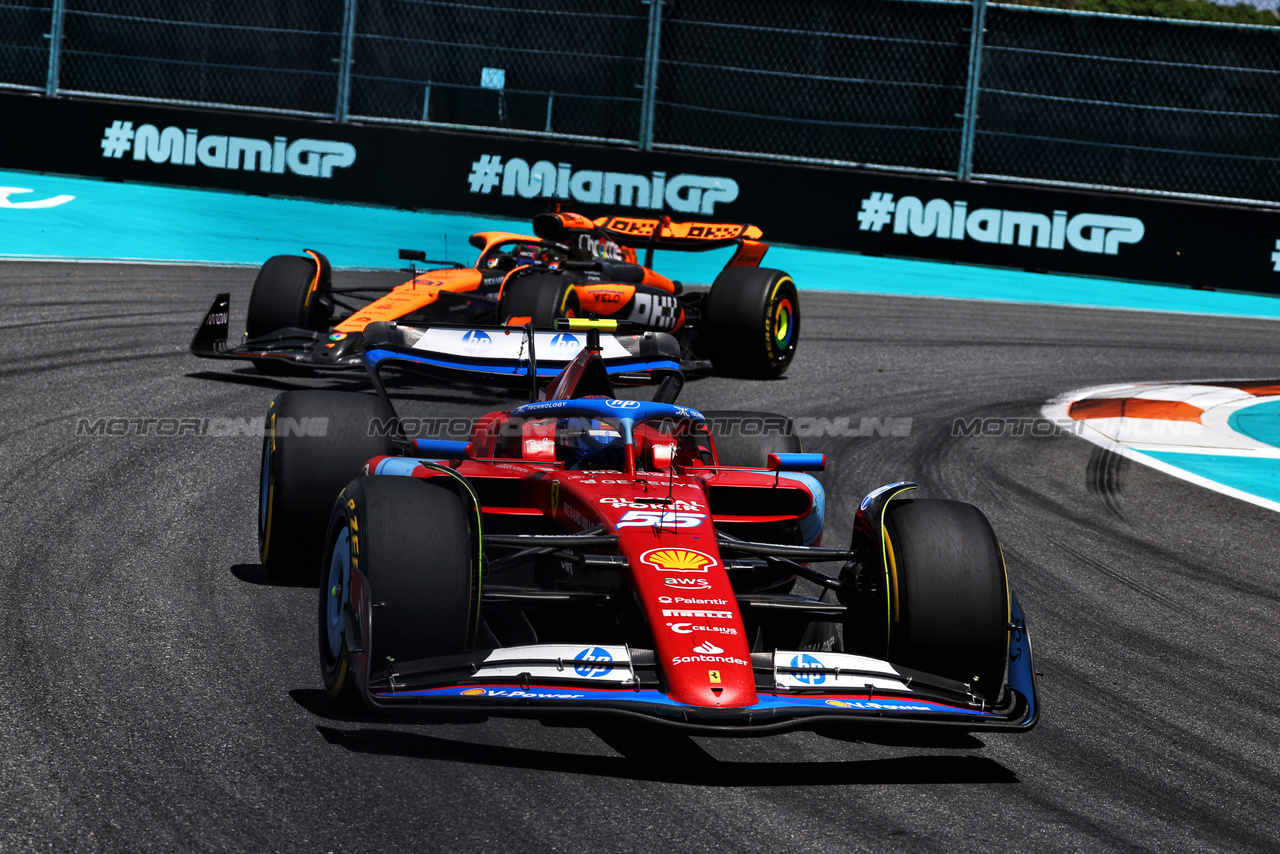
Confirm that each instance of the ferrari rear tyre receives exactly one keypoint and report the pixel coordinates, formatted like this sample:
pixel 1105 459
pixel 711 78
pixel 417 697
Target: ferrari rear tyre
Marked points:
pixel 316 441
pixel 413 544
pixel 540 296
pixel 948 593
pixel 748 438
pixel 751 322
pixel 289 291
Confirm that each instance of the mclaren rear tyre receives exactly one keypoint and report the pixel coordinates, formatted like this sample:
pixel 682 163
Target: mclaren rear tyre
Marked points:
pixel 539 297
pixel 424 578
pixel 751 322
pixel 290 291
pixel 948 593
pixel 748 438
pixel 316 442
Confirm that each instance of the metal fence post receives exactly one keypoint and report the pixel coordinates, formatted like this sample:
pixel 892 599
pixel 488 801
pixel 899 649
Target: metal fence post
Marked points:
pixel 969 125
pixel 650 86
pixel 55 49
pixel 345 59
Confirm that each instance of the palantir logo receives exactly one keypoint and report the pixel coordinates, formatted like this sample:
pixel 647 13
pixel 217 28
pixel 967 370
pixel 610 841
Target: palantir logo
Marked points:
pixel 682 193
pixel 313 158
pixel 808 662
pixel 593 663
pixel 1100 234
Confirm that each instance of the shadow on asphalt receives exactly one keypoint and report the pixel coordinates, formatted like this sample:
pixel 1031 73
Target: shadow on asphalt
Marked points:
pixel 256 573
pixel 672 758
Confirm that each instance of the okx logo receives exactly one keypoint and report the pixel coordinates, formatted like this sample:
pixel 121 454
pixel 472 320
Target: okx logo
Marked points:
pixel 1100 234
pixel 313 158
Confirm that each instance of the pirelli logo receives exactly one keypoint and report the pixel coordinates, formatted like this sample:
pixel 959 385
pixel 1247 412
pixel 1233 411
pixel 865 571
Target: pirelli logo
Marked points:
pixel 705 615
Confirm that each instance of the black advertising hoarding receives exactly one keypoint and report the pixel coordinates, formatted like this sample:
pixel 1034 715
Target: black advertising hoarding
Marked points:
pixel 1036 228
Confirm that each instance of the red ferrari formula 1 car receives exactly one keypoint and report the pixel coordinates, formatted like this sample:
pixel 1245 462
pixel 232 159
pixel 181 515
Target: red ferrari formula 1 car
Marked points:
pixel 747 324
pixel 593 556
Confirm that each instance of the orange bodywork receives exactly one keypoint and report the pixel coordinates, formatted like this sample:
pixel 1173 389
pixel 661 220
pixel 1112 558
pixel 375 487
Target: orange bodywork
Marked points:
pixel 424 289
pixel 603 299
pixel 750 253
pixel 417 293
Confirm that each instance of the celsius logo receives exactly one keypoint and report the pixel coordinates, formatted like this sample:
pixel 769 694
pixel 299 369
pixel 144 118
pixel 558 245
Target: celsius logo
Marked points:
pixel 476 343
pixel 1087 232
pixel 544 179
pixel 564 344
pixel 594 662
pixel 314 158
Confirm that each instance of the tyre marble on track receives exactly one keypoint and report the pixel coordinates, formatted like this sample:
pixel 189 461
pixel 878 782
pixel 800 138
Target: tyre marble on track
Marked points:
pixel 161 697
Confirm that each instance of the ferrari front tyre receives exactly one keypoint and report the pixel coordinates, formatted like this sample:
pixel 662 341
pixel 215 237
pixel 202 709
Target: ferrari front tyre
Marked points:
pixel 747 439
pixel 948 593
pixel 751 322
pixel 413 545
pixel 315 442
pixel 541 297
pixel 289 292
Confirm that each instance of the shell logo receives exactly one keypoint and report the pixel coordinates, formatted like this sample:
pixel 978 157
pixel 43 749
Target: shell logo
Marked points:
pixel 471 692
pixel 678 560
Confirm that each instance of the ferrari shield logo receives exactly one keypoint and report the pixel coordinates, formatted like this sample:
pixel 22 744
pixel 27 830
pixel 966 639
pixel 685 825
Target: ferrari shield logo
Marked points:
pixel 714 676
pixel 555 497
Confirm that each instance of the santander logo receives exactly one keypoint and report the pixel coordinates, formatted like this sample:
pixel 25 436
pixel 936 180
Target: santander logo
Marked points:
pixel 707 648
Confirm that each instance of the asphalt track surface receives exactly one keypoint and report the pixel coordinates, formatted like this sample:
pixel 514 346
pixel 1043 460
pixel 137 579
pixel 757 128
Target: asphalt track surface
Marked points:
pixel 159 695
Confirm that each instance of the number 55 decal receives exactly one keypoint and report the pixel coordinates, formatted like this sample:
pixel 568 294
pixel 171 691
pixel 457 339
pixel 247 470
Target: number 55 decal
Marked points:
pixel 660 519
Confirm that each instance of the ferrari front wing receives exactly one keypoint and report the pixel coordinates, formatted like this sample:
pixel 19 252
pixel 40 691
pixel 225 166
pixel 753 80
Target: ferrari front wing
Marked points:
pixel 796 689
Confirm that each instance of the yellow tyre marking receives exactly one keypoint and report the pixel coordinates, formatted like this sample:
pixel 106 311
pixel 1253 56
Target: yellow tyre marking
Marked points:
pixel 891 564
pixel 342 674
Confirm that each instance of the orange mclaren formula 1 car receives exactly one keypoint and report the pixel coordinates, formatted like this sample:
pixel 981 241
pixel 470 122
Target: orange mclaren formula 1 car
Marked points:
pixel 746 325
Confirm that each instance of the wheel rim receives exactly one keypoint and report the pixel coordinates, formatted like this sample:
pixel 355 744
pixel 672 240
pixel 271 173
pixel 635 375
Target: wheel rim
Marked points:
pixel 336 586
pixel 783 323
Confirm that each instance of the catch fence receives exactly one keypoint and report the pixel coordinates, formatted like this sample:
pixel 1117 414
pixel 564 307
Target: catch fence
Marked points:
pixel 944 87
